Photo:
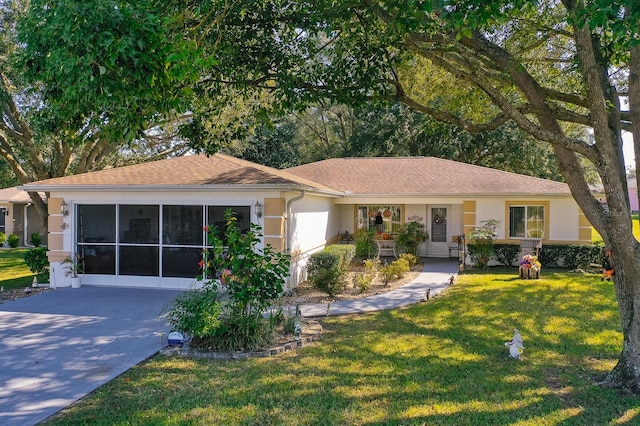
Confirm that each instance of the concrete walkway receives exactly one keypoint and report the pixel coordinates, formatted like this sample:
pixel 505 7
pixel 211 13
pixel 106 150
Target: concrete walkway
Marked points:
pixel 435 276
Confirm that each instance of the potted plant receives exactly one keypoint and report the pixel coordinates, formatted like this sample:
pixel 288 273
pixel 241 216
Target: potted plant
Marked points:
pixel 73 267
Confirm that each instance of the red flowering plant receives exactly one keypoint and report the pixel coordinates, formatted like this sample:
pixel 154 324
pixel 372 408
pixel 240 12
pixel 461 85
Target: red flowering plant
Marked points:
pixel 252 277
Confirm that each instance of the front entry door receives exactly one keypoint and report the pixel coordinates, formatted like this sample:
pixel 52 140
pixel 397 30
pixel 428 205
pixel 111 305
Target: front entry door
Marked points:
pixel 439 235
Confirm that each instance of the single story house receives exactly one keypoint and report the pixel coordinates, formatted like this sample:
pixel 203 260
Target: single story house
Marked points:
pixel 142 225
pixel 18 216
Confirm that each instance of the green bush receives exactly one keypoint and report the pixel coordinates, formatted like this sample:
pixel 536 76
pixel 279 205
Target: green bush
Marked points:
pixel 3 238
pixel 35 239
pixel 402 267
pixel 365 244
pixel 480 245
pixel 326 273
pixel 345 251
pixel 363 281
pixel 410 258
pixel 394 271
pixel 251 279
pixel 410 235
pixel 196 312
pixel 570 256
pixel 13 240
pixel 238 333
pixel 507 254
pixel 36 260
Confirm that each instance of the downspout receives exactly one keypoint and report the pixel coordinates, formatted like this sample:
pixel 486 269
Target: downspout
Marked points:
pixel 287 240
pixel 25 224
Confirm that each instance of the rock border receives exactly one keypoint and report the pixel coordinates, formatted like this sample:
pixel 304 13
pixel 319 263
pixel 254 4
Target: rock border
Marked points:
pixel 311 332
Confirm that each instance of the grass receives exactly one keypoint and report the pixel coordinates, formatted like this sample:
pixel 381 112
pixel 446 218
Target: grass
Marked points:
pixel 14 272
pixel 442 362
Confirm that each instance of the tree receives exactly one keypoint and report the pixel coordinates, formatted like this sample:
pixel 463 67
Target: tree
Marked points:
pixel 30 149
pixel 550 67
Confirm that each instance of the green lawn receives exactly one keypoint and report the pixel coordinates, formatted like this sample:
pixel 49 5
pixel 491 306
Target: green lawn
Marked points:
pixel 14 272
pixel 442 362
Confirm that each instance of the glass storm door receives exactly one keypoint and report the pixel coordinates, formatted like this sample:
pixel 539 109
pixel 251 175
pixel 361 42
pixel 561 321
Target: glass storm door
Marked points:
pixel 438 232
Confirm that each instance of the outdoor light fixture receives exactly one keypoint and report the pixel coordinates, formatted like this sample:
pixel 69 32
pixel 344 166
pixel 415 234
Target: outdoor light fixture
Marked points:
pixel 258 208
pixel 64 209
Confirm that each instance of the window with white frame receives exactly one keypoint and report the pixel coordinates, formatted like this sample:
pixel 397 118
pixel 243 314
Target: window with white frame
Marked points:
pixel 526 221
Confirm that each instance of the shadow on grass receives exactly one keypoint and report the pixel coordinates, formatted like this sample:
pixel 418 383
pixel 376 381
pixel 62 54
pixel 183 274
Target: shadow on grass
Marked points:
pixel 442 362
pixel 19 282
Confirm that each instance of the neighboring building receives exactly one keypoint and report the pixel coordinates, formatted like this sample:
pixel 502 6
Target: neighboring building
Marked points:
pixel 19 217
pixel 632 187
pixel 142 225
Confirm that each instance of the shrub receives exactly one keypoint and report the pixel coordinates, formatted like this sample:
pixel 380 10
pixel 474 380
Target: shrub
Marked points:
pixel 481 243
pixel 394 270
pixel 410 258
pixel 571 256
pixel 3 238
pixel 402 267
pixel 507 254
pixel 36 260
pixel 196 312
pixel 35 239
pixel 363 281
pixel 410 235
pixel 345 251
pixel 365 245
pixel 251 279
pixel 13 240
pixel 239 333
pixel 371 266
pixel 326 273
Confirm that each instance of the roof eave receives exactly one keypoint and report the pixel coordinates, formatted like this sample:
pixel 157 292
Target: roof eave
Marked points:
pixel 179 188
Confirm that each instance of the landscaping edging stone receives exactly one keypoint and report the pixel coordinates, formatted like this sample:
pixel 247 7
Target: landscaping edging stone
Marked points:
pixel 311 332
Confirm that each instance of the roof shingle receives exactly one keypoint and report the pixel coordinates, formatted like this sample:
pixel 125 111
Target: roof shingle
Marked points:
pixel 421 176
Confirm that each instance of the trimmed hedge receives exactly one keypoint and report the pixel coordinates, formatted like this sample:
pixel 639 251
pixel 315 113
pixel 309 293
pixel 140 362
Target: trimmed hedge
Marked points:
pixel 570 256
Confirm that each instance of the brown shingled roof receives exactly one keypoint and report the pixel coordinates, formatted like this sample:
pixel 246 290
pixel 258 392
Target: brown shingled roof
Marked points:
pixel 191 170
pixel 421 176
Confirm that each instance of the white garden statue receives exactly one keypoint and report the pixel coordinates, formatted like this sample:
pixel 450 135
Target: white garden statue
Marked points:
pixel 516 346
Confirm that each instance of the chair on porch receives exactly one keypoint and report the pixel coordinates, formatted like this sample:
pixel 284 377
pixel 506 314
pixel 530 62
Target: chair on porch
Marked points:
pixel 347 238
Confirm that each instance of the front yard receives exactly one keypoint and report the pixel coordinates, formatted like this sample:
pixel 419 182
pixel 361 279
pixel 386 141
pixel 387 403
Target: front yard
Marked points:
pixel 441 362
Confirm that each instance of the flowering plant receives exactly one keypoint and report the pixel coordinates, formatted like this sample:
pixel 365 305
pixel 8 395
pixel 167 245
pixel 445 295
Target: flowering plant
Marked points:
pixel 252 276
pixel 531 262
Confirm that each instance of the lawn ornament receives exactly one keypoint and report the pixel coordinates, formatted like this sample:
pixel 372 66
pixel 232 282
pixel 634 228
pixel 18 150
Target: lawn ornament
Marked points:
pixel 175 338
pixel 515 345
pixel 607 274
pixel 608 270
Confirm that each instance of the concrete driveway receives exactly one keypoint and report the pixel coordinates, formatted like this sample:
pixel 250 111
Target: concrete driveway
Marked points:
pixel 58 346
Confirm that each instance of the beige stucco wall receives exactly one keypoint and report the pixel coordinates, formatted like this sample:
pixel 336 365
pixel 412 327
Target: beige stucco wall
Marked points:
pixel 562 217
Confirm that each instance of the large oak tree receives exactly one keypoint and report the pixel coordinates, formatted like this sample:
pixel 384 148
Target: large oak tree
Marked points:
pixel 551 67
pixel 33 149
